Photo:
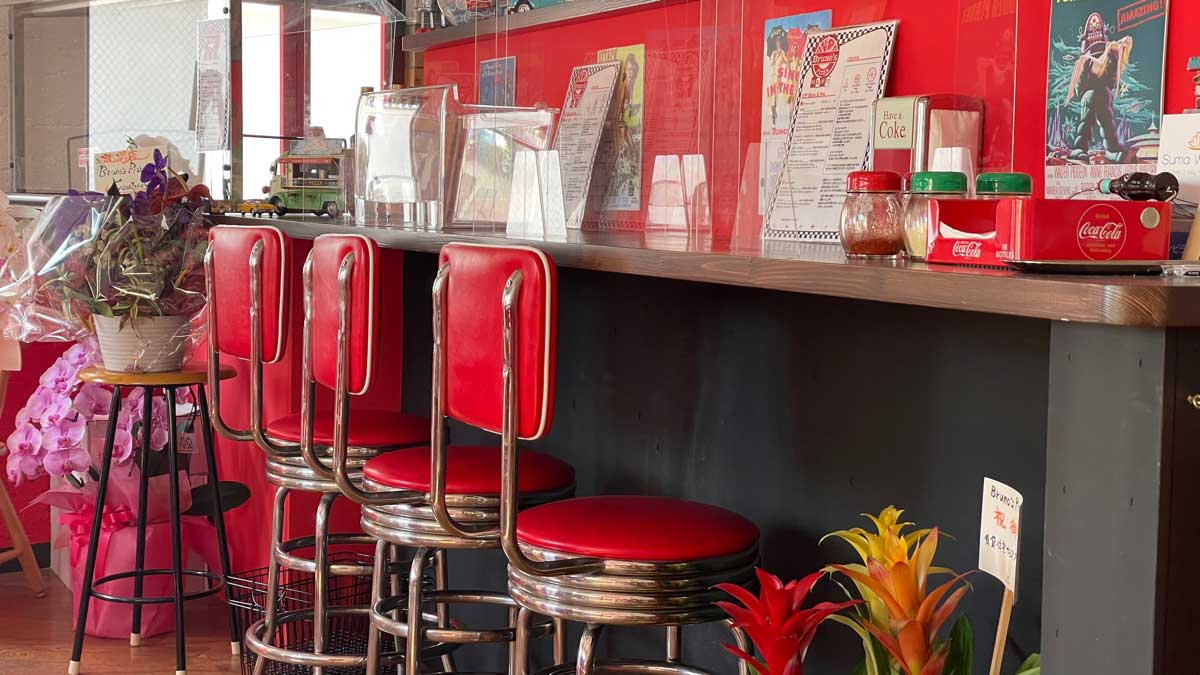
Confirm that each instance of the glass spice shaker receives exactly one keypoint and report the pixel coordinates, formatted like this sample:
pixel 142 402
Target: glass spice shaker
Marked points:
pixel 920 216
pixel 1004 186
pixel 870 224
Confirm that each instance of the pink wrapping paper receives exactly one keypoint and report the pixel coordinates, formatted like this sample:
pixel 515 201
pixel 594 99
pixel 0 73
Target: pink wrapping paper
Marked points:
pixel 117 549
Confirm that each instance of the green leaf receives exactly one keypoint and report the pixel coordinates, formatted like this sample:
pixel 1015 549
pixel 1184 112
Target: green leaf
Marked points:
pixel 1032 665
pixel 962 639
pixel 870 664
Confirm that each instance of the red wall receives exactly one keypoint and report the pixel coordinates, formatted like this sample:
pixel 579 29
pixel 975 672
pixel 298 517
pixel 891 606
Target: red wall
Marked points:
pixel 704 72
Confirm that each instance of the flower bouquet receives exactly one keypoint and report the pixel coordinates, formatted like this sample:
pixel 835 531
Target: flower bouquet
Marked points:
pixel 128 269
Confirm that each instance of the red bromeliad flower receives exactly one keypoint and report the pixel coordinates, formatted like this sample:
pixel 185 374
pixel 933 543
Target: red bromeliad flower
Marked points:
pixel 776 623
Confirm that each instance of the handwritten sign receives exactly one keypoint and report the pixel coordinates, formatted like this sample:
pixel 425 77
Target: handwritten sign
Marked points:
pixel 1000 532
pixel 124 167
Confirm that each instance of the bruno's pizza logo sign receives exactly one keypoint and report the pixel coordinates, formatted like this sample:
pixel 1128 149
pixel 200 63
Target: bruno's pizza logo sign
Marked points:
pixel 578 88
pixel 824 60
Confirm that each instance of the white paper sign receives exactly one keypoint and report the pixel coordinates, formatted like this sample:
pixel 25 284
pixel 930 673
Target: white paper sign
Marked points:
pixel 581 124
pixel 845 72
pixel 1179 153
pixel 1000 532
pixel 212 85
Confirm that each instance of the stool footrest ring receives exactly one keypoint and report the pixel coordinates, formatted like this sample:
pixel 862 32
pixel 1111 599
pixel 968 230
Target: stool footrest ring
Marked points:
pixel 628 667
pixel 216 583
pixel 381 619
pixel 256 644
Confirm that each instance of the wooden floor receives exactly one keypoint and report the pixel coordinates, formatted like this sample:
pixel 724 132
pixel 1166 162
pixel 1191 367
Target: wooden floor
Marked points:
pixel 35 637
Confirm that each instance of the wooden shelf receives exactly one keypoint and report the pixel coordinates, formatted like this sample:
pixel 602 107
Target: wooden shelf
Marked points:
pixel 821 269
pixel 487 28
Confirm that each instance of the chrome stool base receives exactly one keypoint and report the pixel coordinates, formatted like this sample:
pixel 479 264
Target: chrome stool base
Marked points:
pixel 626 667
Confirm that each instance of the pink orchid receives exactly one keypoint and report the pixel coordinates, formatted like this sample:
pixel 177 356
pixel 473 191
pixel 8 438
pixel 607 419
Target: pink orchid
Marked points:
pixel 79 356
pixel 122 446
pixel 133 402
pixel 67 460
pixel 22 417
pixel 59 377
pixel 26 440
pixel 47 407
pixel 65 435
pixel 91 400
pixel 124 421
pixel 158 438
pixel 21 466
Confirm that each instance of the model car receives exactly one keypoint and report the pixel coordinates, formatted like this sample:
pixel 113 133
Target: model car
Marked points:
pixel 526 5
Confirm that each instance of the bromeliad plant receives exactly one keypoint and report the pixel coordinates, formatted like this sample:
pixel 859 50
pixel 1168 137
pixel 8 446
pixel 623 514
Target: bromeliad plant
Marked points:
pixel 776 622
pixel 905 613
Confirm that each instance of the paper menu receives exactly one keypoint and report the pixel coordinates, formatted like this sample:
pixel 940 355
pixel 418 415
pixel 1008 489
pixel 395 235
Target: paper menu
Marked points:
pixel 582 122
pixel 845 71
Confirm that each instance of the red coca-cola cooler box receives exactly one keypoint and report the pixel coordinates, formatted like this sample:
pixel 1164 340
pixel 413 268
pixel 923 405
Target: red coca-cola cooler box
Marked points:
pixel 989 232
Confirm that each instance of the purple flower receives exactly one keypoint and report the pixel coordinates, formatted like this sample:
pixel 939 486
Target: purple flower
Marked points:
pixel 59 377
pixel 90 400
pixel 122 446
pixel 62 462
pixel 64 436
pixel 47 408
pixel 26 440
pixel 79 356
pixel 21 467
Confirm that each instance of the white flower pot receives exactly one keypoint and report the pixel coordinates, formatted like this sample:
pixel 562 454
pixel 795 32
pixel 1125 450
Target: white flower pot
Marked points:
pixel 148 344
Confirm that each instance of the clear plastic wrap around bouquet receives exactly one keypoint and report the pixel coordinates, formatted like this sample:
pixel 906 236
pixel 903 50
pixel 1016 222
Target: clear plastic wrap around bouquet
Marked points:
pixel 128 269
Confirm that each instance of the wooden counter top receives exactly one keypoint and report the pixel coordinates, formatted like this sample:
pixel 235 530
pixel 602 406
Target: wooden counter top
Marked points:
pixel 821 269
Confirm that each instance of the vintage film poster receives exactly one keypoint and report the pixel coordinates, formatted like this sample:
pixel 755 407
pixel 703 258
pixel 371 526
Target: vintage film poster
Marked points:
pixel 1104 91
pixel 783 55
pixel 585 113
pixel 625 188
pixel 498 81
pixel 845 72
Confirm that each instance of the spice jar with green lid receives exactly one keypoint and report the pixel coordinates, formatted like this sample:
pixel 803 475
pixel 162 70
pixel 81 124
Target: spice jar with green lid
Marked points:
pixel 920 215
pixel 1003 185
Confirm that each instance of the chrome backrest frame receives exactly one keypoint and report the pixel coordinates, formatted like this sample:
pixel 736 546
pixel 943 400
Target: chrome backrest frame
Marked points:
pixel 340 470
pixel 255 433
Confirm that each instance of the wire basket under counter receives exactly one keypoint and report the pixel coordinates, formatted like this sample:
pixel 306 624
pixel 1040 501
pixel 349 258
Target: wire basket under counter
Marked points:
pixel 346 634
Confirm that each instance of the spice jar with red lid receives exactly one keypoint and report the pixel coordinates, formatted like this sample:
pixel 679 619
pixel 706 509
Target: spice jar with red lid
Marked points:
pixel 871 225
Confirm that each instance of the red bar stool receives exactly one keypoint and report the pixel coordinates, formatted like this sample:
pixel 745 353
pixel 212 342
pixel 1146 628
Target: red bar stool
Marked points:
pixel 443 496
pixel 249 308
pixel 602 561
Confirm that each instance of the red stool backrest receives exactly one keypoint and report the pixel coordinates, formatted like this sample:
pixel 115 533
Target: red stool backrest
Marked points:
pixel 474 340
pixel 230 250
pixel 328 253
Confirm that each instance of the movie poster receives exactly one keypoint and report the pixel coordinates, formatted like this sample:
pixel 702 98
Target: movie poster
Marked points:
pixel 1104 91
pixel 783 54
pixel 625 190
pixel 498 81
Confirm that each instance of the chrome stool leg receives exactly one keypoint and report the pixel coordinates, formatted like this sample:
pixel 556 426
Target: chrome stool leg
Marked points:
pixel 518 663
pixel 743 643
pixel 560 641
pixel 586 663
pixel 281 495
pixel 382 561
pixel 674 644
pixel 416 573
pixel 321 577
pixel 139 556
pixel 441 575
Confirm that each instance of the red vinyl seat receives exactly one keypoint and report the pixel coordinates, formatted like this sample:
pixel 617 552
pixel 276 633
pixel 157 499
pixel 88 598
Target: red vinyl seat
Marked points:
pixel 470 470
pixel 368 429
pixel 637 528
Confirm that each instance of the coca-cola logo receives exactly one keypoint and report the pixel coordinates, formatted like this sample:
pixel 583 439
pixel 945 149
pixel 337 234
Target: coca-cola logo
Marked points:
pixel 967 249
pixel 824 60
pixel 1101 232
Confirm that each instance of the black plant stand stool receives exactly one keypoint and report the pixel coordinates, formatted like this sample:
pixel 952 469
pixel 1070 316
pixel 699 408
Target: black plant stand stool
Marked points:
pixel 169 383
